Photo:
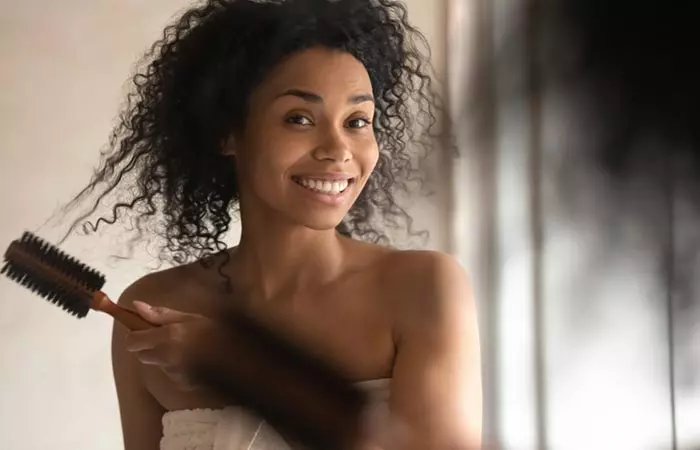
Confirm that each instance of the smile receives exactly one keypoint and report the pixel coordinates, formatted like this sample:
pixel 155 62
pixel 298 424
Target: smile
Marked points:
pixel 328 187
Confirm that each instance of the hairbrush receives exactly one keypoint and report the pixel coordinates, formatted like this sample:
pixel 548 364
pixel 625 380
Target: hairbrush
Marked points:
pixel 63 280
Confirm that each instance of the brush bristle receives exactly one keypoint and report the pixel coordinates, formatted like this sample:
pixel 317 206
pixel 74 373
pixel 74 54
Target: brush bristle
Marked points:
pixel 38 270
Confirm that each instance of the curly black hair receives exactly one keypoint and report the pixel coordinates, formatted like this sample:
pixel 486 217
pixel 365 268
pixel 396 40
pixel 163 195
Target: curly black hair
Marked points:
pixel 191 92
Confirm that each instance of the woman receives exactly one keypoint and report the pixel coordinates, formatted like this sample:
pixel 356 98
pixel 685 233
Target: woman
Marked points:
pixel 298 114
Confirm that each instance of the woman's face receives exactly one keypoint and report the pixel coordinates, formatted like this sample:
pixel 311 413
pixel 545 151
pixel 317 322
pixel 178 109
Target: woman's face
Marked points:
pixel 308 146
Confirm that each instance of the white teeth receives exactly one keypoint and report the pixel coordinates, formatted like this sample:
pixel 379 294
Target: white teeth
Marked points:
pixel 324 186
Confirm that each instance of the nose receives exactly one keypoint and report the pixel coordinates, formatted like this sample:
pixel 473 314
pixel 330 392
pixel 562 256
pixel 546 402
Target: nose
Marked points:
pixel 334 147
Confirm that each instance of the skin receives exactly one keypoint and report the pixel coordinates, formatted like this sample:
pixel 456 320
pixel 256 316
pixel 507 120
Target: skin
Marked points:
pixel 374 312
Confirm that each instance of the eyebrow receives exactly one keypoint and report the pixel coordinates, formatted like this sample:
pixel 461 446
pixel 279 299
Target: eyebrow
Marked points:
pixel 315 98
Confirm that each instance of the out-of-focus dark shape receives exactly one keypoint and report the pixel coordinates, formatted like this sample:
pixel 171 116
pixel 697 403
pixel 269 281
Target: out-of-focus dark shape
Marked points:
pixel 635 64
pixel 639 61
pixel 634 67
pixel 617 82
pixel 305 398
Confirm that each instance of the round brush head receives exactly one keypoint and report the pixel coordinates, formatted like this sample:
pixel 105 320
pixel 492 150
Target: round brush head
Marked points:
pixel 51 273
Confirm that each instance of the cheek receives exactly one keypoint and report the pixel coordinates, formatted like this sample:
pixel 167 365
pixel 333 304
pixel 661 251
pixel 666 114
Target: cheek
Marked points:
pixel 258 170
pixel 268 150
pixel 268 162
pixel 369 157
pixel 277 157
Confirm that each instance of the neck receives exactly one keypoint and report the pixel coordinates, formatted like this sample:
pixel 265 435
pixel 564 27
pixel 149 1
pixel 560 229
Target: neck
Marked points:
pixel 277 258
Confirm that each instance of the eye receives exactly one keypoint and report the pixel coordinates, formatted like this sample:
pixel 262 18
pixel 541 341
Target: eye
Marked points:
pixel 298 119
pixel 359 123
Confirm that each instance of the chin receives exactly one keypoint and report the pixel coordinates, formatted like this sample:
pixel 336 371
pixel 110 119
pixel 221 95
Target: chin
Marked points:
pixel 320 223
pixel 316 215
pixel 314 219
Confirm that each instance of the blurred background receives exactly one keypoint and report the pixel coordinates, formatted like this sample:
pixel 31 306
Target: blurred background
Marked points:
pixel 584 278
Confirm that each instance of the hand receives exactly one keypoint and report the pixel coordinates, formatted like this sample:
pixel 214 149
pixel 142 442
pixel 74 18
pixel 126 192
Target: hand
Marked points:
pixel 171 346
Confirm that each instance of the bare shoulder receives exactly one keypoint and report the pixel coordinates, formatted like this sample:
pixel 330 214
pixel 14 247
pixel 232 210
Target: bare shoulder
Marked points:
pixel 423 271
pixel 425 286
pixel 413 260
pixel 173 287
pixel 149 287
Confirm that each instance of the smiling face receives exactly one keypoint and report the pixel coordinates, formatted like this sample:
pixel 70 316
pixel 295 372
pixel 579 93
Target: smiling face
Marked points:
pixel 308 146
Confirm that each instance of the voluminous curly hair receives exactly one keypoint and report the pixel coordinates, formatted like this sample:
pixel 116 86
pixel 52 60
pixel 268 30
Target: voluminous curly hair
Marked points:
pixel 192 91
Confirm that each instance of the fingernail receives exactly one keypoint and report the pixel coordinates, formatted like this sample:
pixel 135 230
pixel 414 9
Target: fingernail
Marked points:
pixel 139 304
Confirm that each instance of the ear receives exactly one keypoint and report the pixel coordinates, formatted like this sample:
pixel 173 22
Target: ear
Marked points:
pixel 228 148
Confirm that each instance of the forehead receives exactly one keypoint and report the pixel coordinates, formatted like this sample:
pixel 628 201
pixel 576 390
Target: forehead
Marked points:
pixel 322 70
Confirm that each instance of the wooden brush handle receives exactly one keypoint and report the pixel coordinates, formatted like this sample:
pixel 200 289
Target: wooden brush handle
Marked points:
pixel 126 317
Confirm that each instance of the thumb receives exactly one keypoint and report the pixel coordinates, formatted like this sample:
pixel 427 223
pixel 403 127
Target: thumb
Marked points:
pixel 160 315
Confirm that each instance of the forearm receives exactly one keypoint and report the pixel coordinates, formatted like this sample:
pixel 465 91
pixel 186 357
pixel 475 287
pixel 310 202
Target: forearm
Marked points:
pixel 302 397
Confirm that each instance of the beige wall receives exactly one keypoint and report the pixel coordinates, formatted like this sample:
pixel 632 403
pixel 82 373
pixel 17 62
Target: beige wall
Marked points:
pixel 64 65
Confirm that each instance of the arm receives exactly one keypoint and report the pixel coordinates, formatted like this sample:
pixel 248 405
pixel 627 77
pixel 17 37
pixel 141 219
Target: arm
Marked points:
pixel 140 413
pixel 436 385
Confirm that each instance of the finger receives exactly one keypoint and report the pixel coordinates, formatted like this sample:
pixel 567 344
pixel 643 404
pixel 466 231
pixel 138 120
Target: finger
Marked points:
pixel 151 358
pixel 160 315
pixel 137 341
pixel 165 360
pixel 167 357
